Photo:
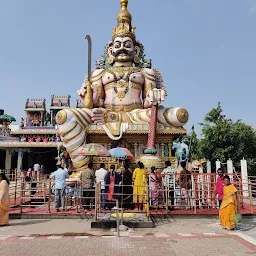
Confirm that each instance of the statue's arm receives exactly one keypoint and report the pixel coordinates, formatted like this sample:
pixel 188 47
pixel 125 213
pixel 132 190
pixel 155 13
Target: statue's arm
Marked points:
pixel 97 88
pixel 149 85
pixel 151 95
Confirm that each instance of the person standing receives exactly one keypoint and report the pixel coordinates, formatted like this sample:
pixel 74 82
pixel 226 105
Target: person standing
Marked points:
pixel 36 171
pixel 229 206
pixel 219 186
pixel 140 182
pixel 60 177
pixel 87 178
pixel 186 185
pixel 169 183
pixel 100 178
pixel 4 200
pixel 154 184
pixel 112 180
pixel 127 188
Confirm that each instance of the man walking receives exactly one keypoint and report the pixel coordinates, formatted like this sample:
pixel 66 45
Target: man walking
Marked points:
pixel 60 177
pixel 100 178
pixel 219 185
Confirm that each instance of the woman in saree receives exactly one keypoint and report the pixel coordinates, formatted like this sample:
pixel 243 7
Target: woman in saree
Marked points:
pixel 112 188
pixel 154 184
pixel 229 206
pixel 140 182
pixel 4 200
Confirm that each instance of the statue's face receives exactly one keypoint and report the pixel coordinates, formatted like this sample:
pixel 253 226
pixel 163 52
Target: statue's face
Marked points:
pixel 123 49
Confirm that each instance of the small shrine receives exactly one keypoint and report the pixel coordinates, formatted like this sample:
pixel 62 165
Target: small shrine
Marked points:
pixel 35 110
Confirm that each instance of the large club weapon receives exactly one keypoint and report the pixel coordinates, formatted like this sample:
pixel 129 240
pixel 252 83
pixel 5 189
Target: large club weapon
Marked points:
pixel 150 158
pixel 88 99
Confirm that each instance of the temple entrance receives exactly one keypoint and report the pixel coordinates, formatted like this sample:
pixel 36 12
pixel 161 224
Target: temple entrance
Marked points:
pixel 42 156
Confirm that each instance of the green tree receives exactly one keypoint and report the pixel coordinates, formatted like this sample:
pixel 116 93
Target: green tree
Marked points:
pixel 223 139
pixel 194 150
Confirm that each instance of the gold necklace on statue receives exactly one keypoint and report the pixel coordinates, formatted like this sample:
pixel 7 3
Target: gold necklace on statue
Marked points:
pixel 121 84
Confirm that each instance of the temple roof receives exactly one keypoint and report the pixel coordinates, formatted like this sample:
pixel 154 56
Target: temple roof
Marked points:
pixel 35 105
pixel 60 102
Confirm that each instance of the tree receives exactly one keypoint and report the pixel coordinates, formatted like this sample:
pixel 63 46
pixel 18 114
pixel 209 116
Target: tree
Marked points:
pixel 194 150
pixel 223 139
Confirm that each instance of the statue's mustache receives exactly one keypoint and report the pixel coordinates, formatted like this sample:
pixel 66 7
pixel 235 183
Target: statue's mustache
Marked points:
pixel 122 51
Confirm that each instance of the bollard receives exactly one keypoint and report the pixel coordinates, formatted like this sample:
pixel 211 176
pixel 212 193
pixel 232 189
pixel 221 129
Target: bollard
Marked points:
pixel 49 197
pixel 117 218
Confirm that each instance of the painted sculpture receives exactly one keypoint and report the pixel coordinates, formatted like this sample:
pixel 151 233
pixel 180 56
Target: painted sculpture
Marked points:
pixel 181 150
pixel 121 91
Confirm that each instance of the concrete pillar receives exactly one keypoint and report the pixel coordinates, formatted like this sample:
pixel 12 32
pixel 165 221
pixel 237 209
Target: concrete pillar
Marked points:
pixel 8 160
pixel 218 164
pixel 170 150
pixel 162 150
pixel 136 149
pixel 208 166
pixel 244 174
pixel 20 156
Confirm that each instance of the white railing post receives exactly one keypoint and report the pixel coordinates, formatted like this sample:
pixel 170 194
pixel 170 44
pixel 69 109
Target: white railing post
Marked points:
pixel 230 168
pixel 209 171
pixel 218 164
pixel 244 174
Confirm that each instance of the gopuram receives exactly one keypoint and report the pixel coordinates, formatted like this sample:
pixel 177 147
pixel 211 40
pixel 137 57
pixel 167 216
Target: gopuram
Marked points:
pixel 116 102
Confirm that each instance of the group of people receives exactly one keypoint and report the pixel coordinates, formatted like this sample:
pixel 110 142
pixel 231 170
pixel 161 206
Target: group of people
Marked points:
pixel 130 188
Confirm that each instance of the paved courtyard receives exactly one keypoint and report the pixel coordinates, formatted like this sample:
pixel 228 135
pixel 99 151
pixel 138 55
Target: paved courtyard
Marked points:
pixel 176 236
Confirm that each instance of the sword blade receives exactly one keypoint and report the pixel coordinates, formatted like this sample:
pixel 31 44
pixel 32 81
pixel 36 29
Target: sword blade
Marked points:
pixel 89 56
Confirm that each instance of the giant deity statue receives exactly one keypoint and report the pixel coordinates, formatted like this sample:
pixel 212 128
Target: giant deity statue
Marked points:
pixel 121 91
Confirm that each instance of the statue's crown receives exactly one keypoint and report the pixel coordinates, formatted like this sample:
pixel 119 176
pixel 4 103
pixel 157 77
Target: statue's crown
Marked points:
pixel 124 23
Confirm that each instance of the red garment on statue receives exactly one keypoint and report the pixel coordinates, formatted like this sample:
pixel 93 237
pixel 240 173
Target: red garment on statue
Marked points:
pixel 110 193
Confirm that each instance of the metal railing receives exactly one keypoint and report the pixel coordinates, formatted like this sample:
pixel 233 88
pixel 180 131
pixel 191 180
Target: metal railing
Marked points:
pixel 167 192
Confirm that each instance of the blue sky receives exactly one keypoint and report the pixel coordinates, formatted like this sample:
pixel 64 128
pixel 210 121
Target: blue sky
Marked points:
pixel 206 50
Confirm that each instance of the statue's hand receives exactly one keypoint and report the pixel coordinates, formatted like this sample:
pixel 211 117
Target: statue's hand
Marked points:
pixel 82 91
pixel 155 96
pixel 98 115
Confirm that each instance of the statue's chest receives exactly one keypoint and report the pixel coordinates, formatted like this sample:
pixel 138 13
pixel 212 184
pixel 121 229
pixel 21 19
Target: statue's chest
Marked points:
pixel 124 75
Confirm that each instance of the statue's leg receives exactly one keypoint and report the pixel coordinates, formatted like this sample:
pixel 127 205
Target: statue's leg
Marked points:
pixel 71 126
pixel 168 116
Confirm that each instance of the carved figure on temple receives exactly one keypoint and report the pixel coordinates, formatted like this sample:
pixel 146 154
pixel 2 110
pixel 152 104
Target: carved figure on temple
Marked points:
pixel 38 138
pixel 46 139
pixel 47 121
pixel 120 92
pixel 23 138
pixel 22 123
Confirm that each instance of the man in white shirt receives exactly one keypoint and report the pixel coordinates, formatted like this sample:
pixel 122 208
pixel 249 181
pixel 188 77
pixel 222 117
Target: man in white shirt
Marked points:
pixel 100 178
pixel 169 182
pixel 60 177
pixel 37 168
